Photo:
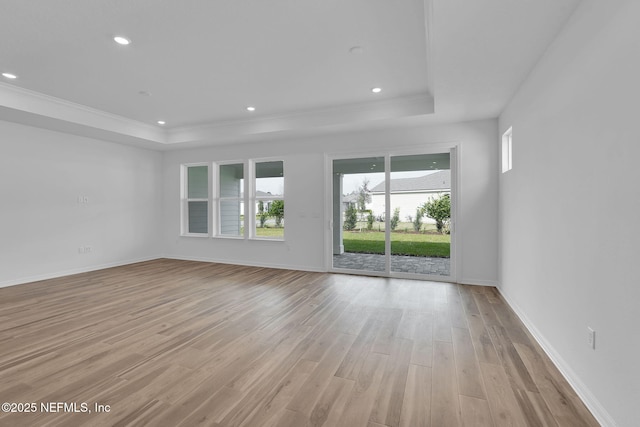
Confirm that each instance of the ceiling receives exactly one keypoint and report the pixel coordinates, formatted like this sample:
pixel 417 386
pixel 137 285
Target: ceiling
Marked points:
pixel 198 64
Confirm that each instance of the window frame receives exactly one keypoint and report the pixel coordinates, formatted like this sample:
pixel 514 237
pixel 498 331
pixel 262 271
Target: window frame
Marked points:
pixel 248 199
pixel 253 198
pixel 218 199
pixel 507 150
pixel 184 199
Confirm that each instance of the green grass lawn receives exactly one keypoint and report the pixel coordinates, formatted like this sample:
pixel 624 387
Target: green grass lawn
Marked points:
pixel 270 232
pixel 415 244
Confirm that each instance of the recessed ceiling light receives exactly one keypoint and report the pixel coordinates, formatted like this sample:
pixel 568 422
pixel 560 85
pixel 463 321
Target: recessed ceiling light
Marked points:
pixel 121 40
pixel 144 93
pixel 162 122
pixel 251 108
pixel 376 90
pixel 9 75
pixel 356 50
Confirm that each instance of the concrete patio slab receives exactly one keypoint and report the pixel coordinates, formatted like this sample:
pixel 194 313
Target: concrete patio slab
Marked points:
pixel 399 263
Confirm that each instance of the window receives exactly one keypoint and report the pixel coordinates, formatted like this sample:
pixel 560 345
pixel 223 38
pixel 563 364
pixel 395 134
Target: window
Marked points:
pixel 239 201
pixel 195 197
pixel 507 151
pixel 268 199
pixel 230 199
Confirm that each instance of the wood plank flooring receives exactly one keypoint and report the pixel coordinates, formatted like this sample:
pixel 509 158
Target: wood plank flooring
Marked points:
pixel 179 343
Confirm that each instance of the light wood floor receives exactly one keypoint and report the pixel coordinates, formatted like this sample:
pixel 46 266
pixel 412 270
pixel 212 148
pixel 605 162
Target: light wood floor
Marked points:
pixel 173 343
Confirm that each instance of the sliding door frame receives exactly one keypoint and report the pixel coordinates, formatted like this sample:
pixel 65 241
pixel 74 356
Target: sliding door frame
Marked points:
pixel 454 151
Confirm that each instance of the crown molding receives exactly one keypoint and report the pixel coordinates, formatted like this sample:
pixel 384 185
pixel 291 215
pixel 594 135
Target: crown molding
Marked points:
pixel 35 109
pixel 223 132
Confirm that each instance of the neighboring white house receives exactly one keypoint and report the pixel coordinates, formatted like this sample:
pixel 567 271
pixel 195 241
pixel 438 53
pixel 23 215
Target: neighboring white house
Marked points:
pixel 409 193
pixel 267 203
pixel 349 199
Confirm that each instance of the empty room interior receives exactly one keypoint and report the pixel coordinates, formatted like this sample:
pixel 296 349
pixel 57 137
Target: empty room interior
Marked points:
pixel 301 213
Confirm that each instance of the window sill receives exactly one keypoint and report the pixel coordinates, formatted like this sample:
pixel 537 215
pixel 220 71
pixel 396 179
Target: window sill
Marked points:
pixel 222 236
pixel 267 239
pixel 195 235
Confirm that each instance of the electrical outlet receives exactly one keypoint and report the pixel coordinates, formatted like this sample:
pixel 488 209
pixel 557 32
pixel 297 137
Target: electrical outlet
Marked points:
pixel 591 337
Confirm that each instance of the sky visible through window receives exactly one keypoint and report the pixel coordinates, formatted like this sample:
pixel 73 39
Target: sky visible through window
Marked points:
pixel 270 185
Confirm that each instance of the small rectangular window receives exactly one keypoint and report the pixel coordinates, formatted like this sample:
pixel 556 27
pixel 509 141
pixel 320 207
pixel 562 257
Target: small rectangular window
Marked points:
pixel 507 150
pixel 268 200
pixel 195 218
pixel 231 199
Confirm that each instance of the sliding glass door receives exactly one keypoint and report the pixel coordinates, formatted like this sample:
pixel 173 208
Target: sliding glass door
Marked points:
pixel 392 214
pixel 358 243
pixel 420 198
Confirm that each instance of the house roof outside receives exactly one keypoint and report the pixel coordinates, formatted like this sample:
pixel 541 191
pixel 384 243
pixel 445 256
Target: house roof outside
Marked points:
pixel 350 198
pixel 435 181
pixel 263 194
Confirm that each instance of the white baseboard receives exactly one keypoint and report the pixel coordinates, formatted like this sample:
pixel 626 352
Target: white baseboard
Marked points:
pixel 478 282
pixel 72 271
pixel 593 404
pixel 247 264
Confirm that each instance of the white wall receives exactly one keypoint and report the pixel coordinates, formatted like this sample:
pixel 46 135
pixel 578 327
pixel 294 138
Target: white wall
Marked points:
pixel 42 225
pixel 570 259
pixel 304 245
